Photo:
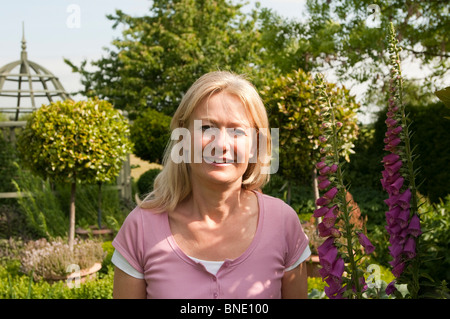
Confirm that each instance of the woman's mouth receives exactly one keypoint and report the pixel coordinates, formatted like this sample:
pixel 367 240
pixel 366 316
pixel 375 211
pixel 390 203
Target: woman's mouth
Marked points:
pixel 218 161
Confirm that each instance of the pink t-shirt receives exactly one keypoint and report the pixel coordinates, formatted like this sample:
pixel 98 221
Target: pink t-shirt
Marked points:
pixel 146 242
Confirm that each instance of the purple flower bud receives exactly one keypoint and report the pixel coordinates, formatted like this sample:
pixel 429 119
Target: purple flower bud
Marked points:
pixel 320 211
pixel 325 170
pixel 333 168
pixel 331 193
pixel 390 122
pixel 322 201
pixel 365 242
pixel 324 184
pixel 321 165
pixel 390 159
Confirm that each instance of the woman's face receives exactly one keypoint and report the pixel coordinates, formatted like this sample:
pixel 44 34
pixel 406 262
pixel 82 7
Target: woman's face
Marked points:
pixel 222 139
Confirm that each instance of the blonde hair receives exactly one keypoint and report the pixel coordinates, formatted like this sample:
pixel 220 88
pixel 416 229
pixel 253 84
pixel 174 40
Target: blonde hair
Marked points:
pixel 172 184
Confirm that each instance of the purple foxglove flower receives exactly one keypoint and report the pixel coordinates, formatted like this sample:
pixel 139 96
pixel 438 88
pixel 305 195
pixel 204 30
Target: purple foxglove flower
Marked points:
pixel 334 290
pixel 395 250
pixel 393 168
pixel 338 268
pixel 390 289
pixel 414 226
pixel 321 178
pixel 392 200
pixel 410 248
pixel 320 211
pixel 390 159
pixel 405 199
pixel 324 184
pixel 394 188
pixel 403 218
pixel 365 242
pixel 392 214
pixel 325 246
pixel 322 201
pixel 325 232
pixel 328 259
pixel 331 193
pixel 329 219
pixel 398 269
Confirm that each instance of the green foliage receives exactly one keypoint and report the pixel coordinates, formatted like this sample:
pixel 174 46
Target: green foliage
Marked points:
pixel 50 259
pixel 17 286
pixel 436 239
pixel 40 205
pixel 145 181
pixel 293 108
pixel 75 141
pixel 150 134
pixel 355 43
pixel 7 168
pixel 163 52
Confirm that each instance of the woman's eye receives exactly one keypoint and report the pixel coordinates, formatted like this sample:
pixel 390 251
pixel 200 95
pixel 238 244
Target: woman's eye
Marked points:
pixel 205 127
pixel 239 132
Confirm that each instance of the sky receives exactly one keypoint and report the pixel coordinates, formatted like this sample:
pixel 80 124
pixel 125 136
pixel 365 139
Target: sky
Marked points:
pixel 79 30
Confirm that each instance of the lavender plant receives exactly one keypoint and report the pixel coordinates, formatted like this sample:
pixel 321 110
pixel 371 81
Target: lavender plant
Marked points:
pixel 403 222
pixel 342 251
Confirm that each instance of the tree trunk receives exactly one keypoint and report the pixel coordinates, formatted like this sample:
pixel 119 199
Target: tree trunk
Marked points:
pixel 99 212
pixel 72 216
pixel 315 186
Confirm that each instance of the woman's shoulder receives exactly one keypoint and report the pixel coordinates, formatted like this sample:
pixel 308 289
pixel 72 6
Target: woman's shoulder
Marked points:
pixel 275 206
pixel 144 217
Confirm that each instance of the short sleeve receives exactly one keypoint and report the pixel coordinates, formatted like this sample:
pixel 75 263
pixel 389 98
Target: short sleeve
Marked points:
pixel 295 237
pixel 129 240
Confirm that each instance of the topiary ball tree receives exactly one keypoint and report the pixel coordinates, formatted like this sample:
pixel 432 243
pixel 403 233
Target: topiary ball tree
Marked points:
pixel 70 142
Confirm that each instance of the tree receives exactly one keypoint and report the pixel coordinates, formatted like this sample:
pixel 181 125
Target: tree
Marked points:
pixel 293 107
pixel 72 142
pixel 162 53
pixel 355 32
pixel 150 133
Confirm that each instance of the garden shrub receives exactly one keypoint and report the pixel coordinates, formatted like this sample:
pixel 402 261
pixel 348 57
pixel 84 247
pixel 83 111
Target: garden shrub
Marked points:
pixel 150 133
pixel 18 286
pixel 7 168
pixel 41 209
pixel 145 181
pixel 47 260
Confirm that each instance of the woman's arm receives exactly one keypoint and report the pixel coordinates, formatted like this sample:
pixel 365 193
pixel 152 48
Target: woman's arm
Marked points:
pixel 294 284
pixel 128 287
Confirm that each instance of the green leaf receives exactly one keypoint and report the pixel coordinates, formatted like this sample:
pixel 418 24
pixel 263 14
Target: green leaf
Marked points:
pixel 444 95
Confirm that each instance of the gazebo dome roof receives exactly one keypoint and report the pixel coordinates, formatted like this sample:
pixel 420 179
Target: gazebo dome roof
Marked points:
pixel 28 84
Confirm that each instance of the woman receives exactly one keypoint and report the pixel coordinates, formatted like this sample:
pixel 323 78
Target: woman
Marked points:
pixel 205 231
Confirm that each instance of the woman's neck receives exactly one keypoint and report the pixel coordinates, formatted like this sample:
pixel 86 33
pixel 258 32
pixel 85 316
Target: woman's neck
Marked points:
pixel 215 204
